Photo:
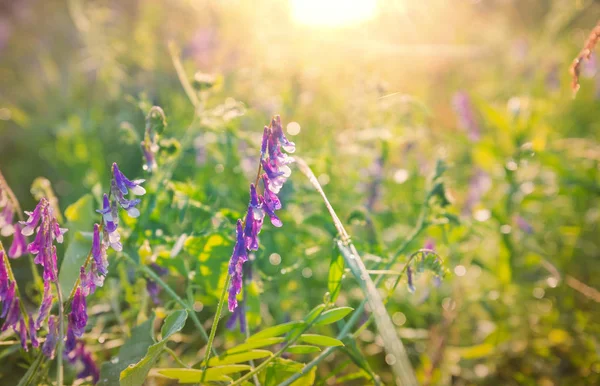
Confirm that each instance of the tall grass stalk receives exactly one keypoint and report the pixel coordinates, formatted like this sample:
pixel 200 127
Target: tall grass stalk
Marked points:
pixel 397 356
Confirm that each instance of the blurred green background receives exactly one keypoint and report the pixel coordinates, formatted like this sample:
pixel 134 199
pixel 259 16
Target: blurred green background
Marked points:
pixel 375 101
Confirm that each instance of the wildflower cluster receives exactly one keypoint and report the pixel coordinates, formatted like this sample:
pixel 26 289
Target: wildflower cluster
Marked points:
pixel 274 163
pixel 94 277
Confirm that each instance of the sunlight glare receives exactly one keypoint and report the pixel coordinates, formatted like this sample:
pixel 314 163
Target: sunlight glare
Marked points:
pixel 332 13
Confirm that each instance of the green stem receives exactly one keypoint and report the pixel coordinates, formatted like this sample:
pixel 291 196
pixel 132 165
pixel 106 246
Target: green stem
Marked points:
pixel 213 329
pixel 245 315
pixel 176 357
pixel 61 336
pixel 149 272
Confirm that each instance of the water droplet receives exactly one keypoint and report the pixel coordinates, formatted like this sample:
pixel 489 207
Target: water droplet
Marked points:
pixel 390 359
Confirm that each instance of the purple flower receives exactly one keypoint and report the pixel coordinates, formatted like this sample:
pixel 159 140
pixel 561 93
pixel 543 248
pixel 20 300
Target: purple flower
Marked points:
pixel 13 314
pixel 429 244
pixel 22 331
pixel 107 212
pixel 523 224
pixel 19 244
pixel 466 115
pixel 238 316
pixel 124 184
pixel 479 184
pixel 33 333
pixel 50 344
pixel 8 298
pixel 71 340
pixel 99 252
pixel 48 231
pixel 254 220
pixel 78 316
pixel 276 172
pixel 277 131
pixel 90 369
pixel 409 278
pixel 87 280
pixel 45 306
pixel 4 278
pixel 6 214
pixel 79 353
pixel 239 256
pixel 153 290
pixel 151 286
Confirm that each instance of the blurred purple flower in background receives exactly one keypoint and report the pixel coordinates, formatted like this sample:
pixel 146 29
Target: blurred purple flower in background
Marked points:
pixel 479 183
pixel 463 107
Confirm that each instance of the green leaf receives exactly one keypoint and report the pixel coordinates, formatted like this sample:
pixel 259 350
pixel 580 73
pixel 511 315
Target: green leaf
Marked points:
pixel 238 357
pixel 277 330
pixel 333 315
pixel 314 313
pixel 131 352
pixel 173 323
pixel 191 375
pixel 320 340
pixel 302 349
pixel 254 344
pixel 75 255
pixel 135 374
pixel 336 274
pixel 195 376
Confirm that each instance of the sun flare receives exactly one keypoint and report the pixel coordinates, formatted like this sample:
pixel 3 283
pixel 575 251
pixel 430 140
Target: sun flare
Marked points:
pixel 332 13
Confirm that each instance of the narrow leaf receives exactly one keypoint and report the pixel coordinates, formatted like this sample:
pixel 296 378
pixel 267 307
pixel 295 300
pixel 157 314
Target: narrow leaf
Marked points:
pixel 333 315
pixel 320 340
pixel 239 357
pixel 192 375
pixel 302 349
pixel 336 273
pixel 274 331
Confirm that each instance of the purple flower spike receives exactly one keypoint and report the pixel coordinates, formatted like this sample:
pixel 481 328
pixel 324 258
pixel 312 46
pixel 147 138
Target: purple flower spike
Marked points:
pixel 466 115
pixel 33 220
pixel 50 344
pixel 4 279
pixel 254 220
pixel 99 252
pixel 21 329
pixel 288 146
pixel 429 244
pixel 45 306
pixel 19 244
pixel 270 211
pixel 124 184
pixel 78 316
pixel 153 290
pixel 239 256
pixel 89 366
pixel 269 196
pixel 13 315
pixel 87 282
pixel 33 333
pixel 8 299
pixel 265 140
pixel 71 341
pixel 239 315
pixel 110 223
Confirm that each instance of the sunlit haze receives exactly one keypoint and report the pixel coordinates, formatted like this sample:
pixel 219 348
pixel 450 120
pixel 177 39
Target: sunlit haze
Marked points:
pixel 332 13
